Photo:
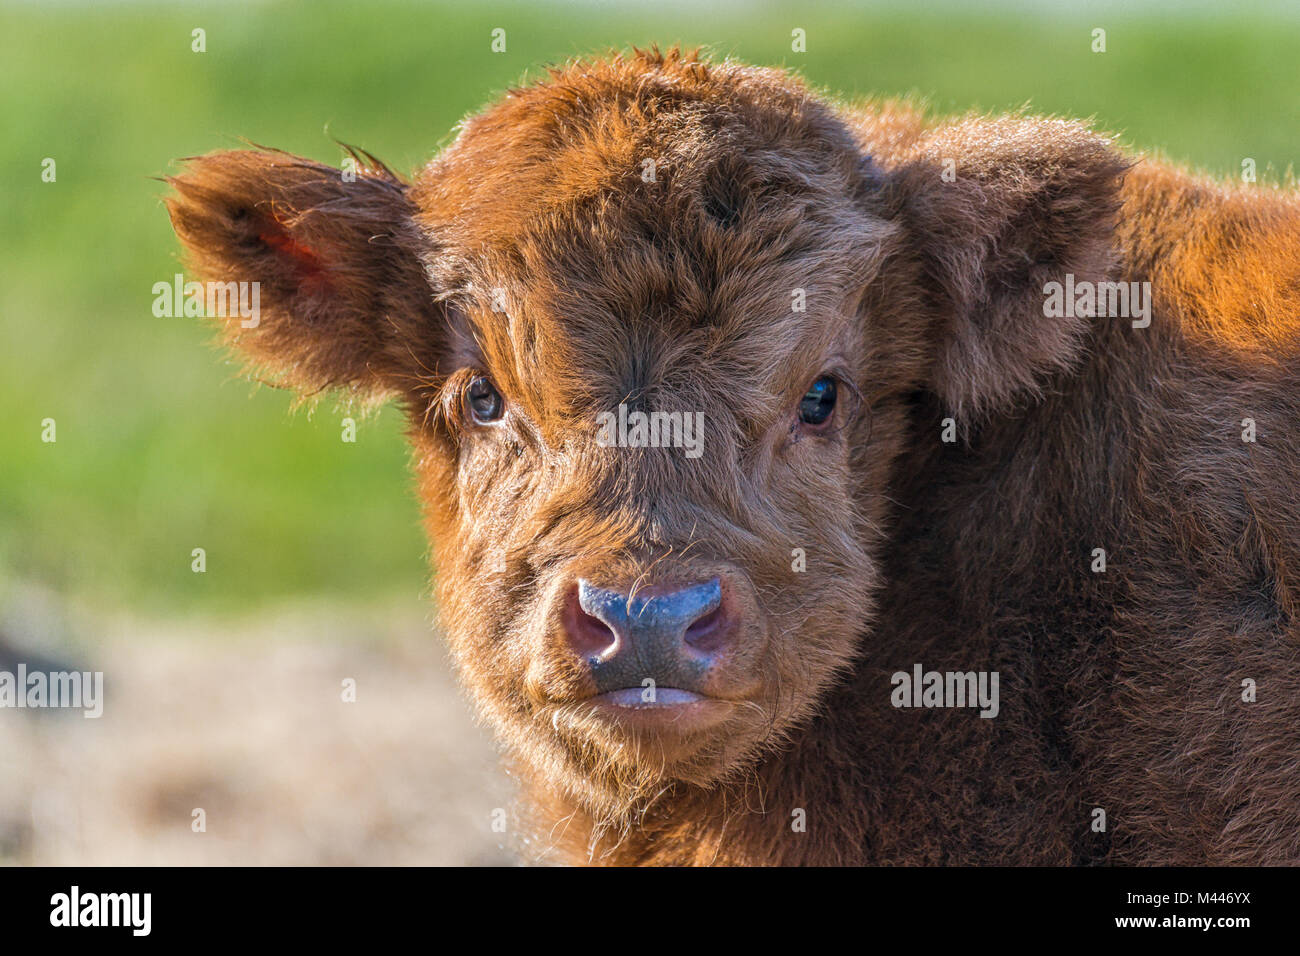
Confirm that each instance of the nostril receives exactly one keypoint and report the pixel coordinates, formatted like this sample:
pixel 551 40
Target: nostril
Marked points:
pixel 588 635
pixel 708 632
pixel 703 626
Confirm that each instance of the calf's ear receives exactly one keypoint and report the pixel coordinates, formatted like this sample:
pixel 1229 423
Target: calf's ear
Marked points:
pixel 1000 208
pixel 342 295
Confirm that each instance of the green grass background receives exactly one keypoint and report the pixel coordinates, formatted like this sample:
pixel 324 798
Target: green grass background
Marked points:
pixel 162 447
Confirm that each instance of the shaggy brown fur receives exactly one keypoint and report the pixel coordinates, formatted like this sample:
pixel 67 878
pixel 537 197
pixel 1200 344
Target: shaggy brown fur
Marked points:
pixel 534 250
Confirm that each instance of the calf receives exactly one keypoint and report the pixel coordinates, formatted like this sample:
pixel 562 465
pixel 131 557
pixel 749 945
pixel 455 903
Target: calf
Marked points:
pixel 804 486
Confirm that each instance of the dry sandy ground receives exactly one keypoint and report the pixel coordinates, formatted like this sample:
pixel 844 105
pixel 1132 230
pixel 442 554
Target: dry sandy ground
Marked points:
pixel 247 721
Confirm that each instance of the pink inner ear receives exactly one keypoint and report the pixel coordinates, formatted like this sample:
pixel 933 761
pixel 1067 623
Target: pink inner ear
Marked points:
pixel 305 262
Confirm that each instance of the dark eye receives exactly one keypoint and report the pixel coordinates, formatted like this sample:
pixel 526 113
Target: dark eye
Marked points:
pixel 485 402
pixel 816 406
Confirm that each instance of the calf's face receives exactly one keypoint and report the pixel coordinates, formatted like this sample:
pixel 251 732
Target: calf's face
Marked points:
pixel 657 325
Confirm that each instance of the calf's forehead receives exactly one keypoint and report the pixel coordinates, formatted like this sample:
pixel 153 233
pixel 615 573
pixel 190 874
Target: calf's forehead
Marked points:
pixel 648 295
pixel 656 234
pixel 669 326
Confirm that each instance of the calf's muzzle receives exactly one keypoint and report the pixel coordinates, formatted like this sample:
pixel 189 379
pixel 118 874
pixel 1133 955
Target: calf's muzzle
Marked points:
pixel 673 635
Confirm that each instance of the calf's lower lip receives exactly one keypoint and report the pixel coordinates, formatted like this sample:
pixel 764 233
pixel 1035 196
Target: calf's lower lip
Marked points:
pixel 632 697
pixel 673 708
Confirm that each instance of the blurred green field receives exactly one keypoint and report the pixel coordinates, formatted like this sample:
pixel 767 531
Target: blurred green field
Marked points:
pixel 163 448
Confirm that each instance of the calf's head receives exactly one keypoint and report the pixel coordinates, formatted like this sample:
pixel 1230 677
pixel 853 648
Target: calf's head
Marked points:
pixel 657 325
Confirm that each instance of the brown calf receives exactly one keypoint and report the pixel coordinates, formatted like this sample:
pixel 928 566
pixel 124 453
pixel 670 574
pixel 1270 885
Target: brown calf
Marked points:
pixel 734 413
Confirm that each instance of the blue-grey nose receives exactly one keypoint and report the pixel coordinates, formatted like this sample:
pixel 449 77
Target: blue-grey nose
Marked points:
pixel 670 635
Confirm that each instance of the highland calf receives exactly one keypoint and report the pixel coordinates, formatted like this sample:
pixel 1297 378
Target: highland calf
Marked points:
pixel 915 456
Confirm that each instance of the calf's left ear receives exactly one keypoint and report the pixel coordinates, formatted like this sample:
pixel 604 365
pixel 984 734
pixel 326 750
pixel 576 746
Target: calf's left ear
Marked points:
pixel 343 297
pixel 998 209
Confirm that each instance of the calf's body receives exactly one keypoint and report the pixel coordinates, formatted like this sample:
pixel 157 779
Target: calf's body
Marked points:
pixel 1121 690
pixel 910 458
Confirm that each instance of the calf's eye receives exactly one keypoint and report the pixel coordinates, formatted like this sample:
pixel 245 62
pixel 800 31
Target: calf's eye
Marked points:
pixel 816 406
pixel 485 402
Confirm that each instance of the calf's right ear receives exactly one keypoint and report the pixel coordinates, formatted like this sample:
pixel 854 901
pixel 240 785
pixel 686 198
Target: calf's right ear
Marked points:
pixel 343 297
pixel 1001 208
